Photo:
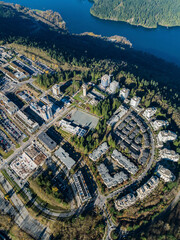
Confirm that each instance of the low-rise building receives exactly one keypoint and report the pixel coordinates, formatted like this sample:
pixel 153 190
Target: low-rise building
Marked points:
pixel 31 125
pixel 47 142
pixel 116 117
pixel 111 181
pixel 165 173
pixel 124 162
pixel 124 93
pixel 65 158
pixel 98 152
pixel 9 106
pixel 25 164
pixel 147 188
pixel 81 187
pixel 135 101
pixel 22 72
pixel 157 124
pixel 169 155
pixel 125 201
pixel 149 112
pixel 72 128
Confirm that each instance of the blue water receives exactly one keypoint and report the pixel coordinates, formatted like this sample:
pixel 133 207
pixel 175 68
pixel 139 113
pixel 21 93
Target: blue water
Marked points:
pixel 162 42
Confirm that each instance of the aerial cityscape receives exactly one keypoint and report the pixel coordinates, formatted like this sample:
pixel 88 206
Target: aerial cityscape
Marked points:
pixel 89 134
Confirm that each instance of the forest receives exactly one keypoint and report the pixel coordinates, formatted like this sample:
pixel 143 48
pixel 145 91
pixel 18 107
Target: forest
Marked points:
pixel 148 14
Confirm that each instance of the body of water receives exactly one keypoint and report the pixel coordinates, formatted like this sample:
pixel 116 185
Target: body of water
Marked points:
pixel 162 42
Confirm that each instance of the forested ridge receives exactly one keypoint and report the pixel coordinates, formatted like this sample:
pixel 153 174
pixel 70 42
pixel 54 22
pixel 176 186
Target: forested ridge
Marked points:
pixel 149 13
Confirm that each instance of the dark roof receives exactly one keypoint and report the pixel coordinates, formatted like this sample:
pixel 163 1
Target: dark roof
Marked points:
pixel 47 141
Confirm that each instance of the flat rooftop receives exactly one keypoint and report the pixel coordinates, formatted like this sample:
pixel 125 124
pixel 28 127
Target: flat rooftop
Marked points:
pixel 65 158
pixel 47 141
pixel 84 119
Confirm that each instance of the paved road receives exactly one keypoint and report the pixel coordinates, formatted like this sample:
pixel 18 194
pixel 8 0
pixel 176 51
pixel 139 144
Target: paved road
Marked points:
pixel 24 145
pixel 22 217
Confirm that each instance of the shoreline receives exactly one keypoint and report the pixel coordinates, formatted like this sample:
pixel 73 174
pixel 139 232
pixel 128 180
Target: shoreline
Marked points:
pixel 132 24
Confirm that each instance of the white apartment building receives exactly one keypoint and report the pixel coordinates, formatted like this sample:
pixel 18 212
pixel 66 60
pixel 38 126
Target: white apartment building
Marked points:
pixel 169 154
pixel 124 93
pixel 135 101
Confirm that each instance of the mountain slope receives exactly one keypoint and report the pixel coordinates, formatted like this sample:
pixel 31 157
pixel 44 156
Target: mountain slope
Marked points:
pixel 149 13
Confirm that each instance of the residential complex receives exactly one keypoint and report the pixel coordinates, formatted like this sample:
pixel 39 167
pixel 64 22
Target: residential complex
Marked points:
pixel 118 115
pixel 124 162
pixel 165 136
pixel 169 155
pixel 135 102
pixel 56 90
pixel 45 111
pixel 98 152
pixel 111 181
pixel 8 105
pixel 105 80
pixel 81 187
pixel 165 174
pixel 149 112
pixel 148 187
pixel 64 157
pixel 124 93
pixel 47 142
pixel 30 124
pixel 114 86
pixel 157 124
pixel 125 201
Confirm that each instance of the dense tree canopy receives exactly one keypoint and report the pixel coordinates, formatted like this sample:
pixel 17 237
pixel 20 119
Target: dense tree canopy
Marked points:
pixel 139 12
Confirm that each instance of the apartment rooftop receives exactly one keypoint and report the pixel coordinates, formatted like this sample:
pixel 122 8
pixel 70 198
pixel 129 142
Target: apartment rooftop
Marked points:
pixel 157 124
pixel 149 112
pixel 169 154
pixel 166 135
pixel 111 181
pixel 148 187
pixel 81 187
pixel 98 152
pixel 125 201
pixel 165 174
pixel 10 107
pixel 124 161
pixel 65 158
pixel 117 116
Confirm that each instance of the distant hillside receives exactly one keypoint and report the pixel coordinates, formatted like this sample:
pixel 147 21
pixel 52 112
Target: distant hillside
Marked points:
pixel 147 13
pixel 21 26
pixel 166 229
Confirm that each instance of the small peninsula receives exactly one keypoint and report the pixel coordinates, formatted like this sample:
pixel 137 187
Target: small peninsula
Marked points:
pixel 148 14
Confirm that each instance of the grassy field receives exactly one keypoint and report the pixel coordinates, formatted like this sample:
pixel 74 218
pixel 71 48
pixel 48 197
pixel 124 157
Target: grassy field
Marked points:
pixel 46 198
